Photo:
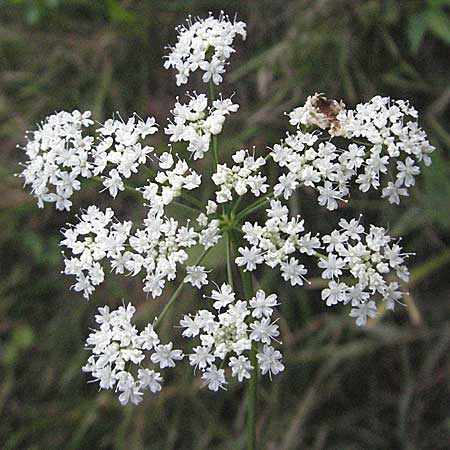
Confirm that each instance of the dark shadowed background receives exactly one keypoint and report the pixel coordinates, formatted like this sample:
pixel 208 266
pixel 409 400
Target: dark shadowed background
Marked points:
pixel 385 387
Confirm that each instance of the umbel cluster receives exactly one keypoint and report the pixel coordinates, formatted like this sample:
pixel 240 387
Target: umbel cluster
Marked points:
pixel 377 146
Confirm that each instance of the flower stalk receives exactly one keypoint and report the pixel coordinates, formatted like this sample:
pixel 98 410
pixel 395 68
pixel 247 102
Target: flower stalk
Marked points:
pixel 247 285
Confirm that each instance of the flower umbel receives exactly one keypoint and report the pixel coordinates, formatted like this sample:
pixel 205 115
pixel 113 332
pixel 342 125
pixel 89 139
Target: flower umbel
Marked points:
pixel 119 353
pixel 242 206
pixel 227 334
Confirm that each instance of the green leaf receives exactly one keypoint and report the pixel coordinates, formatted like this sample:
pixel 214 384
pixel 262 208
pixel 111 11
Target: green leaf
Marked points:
pixel 438 3
pixel 438 23
pixel 33 14
pixel 22 338
pixel 437 191
pixel 417 26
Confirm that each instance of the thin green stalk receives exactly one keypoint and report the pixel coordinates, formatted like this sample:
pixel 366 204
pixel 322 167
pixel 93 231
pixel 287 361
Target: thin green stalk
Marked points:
pixel 127 187
pixel 212 96
pixel 182 205
pixel 212 90
pixel 192 199
pixel 228 250
pixel 150 171
pixel 254 207
pixel 177 293
pixel 251 400
pixel 252 385
pixel 133 190
pixel 236 204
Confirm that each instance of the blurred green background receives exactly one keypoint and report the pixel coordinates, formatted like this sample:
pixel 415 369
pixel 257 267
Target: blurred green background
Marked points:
pixel 385 387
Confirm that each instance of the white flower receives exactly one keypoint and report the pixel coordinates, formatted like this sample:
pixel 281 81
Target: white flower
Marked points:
pixel 392 134
pixel 264 331
pixel 335 293
pixel 130 391
pixel 211 207
pixel 332 266
pixel 370 258
pixel 94 238
pixel 229 332
pixel 213 69
pixel 393 191
pixel 240 367
pixel 363 311
pixel 165 160
pixel 287 184
pixel 150 379
pixel 214 378
pixel 293 272
pixel 195 123
pixel 149 338
pixel 380 146
pixel 250 258
pixel 201 358
pixel 196 275
pixel 192 327
pixel 262 305
pixel 165 356
pixel 328 196
pixel 223 297
pixel 240 178
pixel 113 183
pixel 270 361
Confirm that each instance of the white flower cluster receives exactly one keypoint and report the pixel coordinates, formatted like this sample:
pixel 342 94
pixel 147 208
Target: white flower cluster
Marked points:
pixel 205 44
pixel 394 143
pixel 160 247
pixel 61 153
pixel 94 238
pixel 119 147
pixel 119 351
pixel 365 262
pixel 393 129
pixel 325 167
pixel 320 112
pixel 195 122
pixel 209 234
pixel 275 243
pixel 228 333
pixel 168 183
pixel 331 150
pixel 157 249
pixel 241 177
pixel 58 154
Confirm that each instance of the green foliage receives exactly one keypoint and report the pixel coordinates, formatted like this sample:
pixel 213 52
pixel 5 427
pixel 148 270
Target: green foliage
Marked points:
pixel 433 18
pixel 21 340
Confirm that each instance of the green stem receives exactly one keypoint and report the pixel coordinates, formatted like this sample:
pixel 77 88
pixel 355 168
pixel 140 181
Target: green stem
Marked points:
pixel 212 96
pixel 252 385
pixel 182 205
pixel 254 207
pixel 236 204
pixel 133 190
pixel 192 199
pixel 176 293
pixel 228 250
pixel 150 171
pixel 251 401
